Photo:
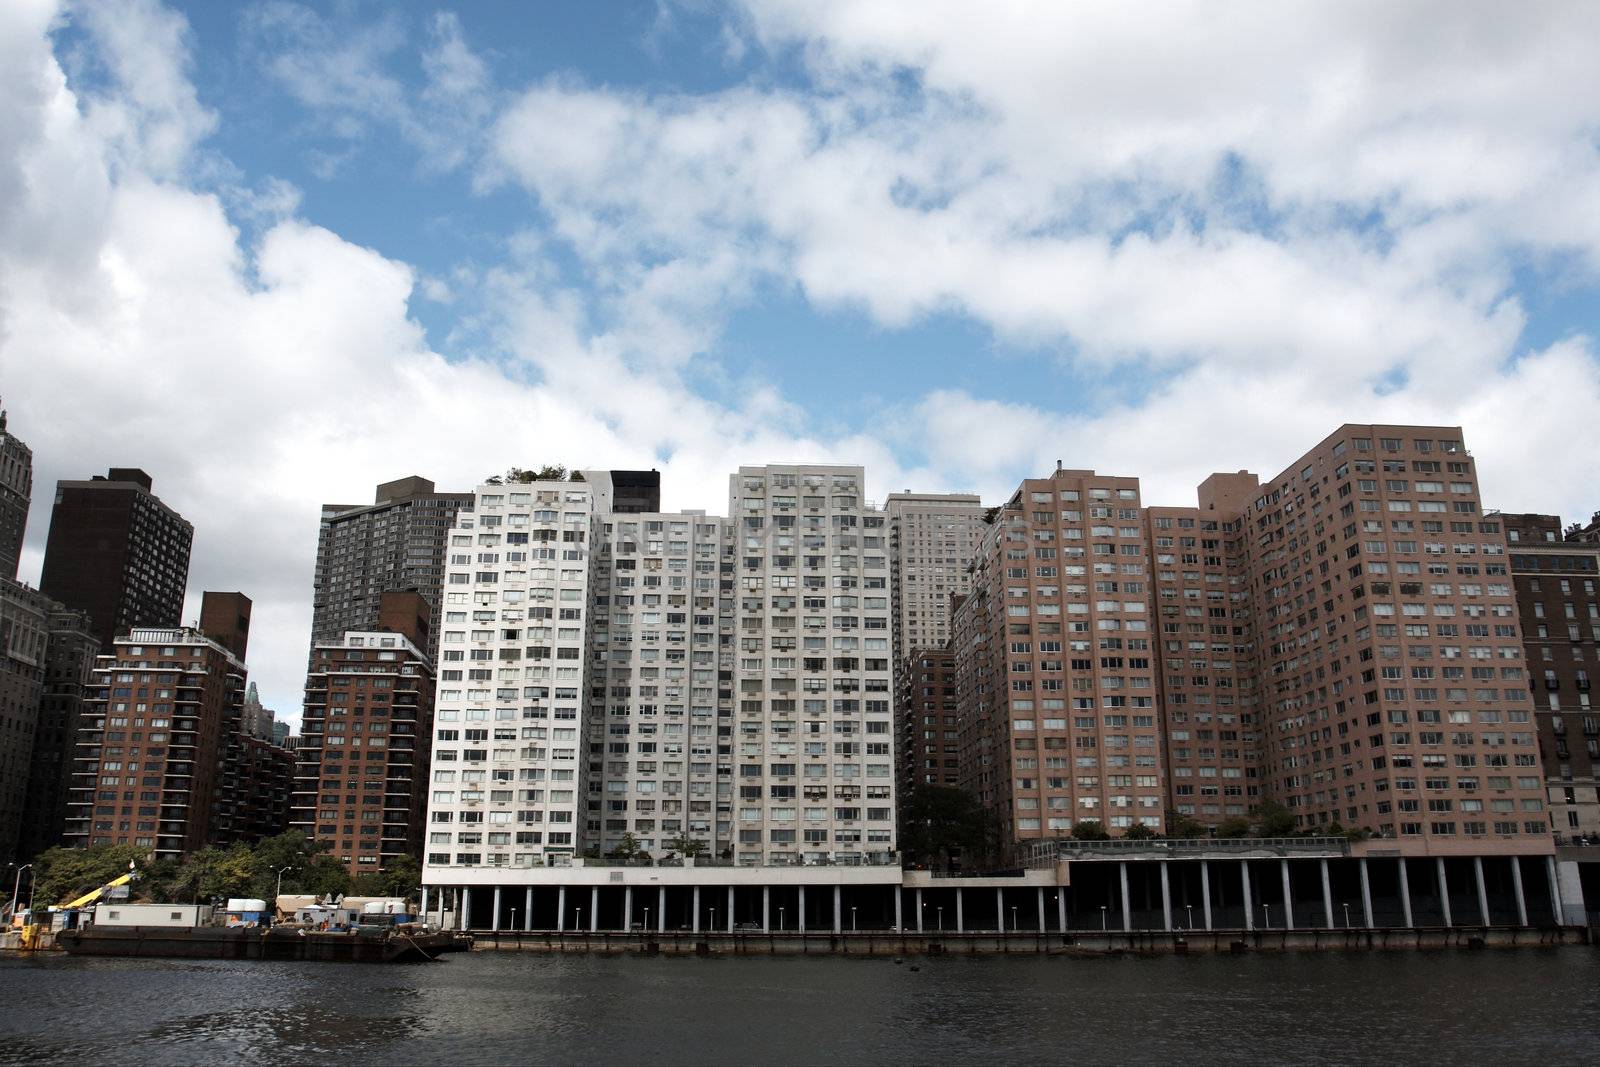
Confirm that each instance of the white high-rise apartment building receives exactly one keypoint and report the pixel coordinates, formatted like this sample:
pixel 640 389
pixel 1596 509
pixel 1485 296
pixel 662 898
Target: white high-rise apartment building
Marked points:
pixel 661 694
pixel 815 770
pixel 932 538
pixel 509 763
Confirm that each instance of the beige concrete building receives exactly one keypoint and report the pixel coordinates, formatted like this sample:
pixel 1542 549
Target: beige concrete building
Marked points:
pixel 931 540
pixel 815 762
pixel 661 693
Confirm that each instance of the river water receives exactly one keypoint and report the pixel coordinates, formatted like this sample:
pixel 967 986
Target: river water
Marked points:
pixel 1521 1006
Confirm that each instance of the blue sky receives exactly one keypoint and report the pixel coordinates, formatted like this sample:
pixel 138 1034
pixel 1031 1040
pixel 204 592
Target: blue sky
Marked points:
pixel 278 253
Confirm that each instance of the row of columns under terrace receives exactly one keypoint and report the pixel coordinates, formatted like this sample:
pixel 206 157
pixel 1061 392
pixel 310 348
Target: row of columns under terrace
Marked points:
pixel 1105 896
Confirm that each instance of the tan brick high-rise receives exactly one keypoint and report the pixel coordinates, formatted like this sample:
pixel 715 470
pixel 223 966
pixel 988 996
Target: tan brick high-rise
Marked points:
pixel 1054 661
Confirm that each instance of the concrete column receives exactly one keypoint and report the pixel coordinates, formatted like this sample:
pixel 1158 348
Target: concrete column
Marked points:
pixel 1516 887
pixel 838 909
pixel 1288 899
pixel 1166 897
pixel 594 908
pixel 627 909
pixel 961 916
pixel 494 917
pixel 1039 908
pixel 1444 889
pixel 1061 909
pixel 730 909
pixel 1127 914
pixel 1000 909
pixel 1249 906
pixel 1327 896
pixel 466 908
pixel 423 911
pixel 561 910
pixel 695 927
pixel 899 919
pixel 919 911
pixel 1483 893
pixel 1366 895
pixel 801 926
pixel 1569 877
pixel 527 908
pixel 1555 890
pixel 661 909
pixel 766 909
pixel 1205 892
pixel 1405 894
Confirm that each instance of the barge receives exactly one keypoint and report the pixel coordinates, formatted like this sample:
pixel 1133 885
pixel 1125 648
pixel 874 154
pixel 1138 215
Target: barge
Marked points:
pixel 388 945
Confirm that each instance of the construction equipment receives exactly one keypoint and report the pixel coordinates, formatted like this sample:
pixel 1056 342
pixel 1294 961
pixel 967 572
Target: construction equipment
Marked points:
pixel 91 897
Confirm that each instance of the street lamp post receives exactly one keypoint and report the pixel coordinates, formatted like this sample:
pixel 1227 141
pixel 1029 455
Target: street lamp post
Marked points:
pixel 1013 918
pixel 1102 918
pixel 1266 909
pixel 579 924
pixel 713 920
pixel 853 918
pixel 1190 909
pixel 941 918
pixel 513 918
pixel 780 919
pixel 279 891
pixel 647 920
pixel 1346 916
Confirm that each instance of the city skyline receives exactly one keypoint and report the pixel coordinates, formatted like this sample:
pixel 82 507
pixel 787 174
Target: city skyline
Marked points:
pixel 332 229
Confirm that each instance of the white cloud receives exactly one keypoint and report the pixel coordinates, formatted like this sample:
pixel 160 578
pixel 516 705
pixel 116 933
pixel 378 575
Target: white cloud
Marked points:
pixel 1058 181
pixel 256 381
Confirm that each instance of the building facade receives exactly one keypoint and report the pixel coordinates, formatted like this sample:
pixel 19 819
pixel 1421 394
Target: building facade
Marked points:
pixel 362 761
pixel 932 537
pixel 1055 642
pixel 70 652
pixel 365 550
pixel 1556 577
pixel 117 552
pixel 1394 687
pixel 816 674
pixel 665 683
pixel 927 750
pixel 154 742
pixel 510 761
pixel 1211 724
pixel 24 639
pixel 1341 639
pixel 16 493
pixel 660 723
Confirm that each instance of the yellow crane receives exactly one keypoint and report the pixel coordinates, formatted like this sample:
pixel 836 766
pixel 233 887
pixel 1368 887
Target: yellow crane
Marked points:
pixel 91 897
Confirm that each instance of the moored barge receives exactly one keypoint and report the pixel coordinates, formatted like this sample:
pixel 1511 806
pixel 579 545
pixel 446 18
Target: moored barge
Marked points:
pixel 392 945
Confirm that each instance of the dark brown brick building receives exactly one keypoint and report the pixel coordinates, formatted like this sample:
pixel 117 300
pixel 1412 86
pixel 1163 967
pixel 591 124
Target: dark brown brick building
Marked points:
pixel 361 778
pixel 117 552
pixel 1557 577
pixel 153 747
pixel 929 743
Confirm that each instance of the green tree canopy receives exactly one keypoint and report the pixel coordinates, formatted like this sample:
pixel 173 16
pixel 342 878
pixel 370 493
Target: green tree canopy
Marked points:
pixel 1274 820
pixel 939 824
pixel 1090 830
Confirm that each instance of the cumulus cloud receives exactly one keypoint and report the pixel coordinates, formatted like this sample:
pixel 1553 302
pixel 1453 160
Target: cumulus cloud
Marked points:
pixel 256 380
pixel 1281 220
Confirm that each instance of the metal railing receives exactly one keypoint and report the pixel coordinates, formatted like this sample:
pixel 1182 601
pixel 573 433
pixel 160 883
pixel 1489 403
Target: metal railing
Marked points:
pixel 1046 852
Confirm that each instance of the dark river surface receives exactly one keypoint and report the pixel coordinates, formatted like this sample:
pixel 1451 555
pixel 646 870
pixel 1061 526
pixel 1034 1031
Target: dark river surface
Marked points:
pixel 1523 1006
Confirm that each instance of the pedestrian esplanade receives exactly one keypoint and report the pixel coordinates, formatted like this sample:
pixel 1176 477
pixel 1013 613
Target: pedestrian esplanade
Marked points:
pixel 1293 883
